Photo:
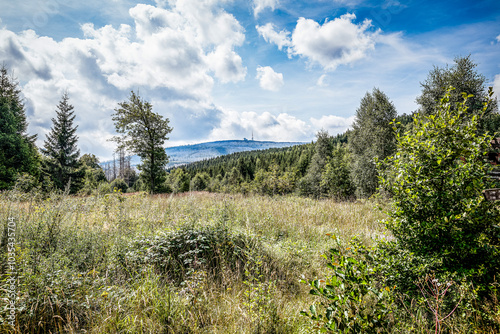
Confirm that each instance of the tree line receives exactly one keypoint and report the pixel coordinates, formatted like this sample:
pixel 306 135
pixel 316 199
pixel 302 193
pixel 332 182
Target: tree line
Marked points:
pixel 58 165
pixel 342 166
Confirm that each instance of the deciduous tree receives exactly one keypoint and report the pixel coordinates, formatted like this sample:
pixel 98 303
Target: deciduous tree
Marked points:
pixel 463 76
pixel 436 177
pixel 372 138
pixel 144 133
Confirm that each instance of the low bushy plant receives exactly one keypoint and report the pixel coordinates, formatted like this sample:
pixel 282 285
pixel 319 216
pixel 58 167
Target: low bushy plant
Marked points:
pixel 119 185
pixel 177 253
pixel 352 298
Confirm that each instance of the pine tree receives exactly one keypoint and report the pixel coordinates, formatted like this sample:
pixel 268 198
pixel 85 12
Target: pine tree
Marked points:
pixel 18 153
pixel 61 149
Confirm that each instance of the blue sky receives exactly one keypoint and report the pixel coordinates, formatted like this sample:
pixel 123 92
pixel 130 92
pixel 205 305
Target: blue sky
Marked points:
pixel 222 69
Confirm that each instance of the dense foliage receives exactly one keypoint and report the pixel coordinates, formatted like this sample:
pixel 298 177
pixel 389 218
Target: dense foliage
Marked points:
pixel 436 179
pixel 308 169
pixel 18 153
pixel 463 76
pixel 372 138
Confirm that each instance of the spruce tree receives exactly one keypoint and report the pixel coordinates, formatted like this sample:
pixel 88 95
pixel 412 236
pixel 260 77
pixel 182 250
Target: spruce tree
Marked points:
pixel 61 149
pixel 18 153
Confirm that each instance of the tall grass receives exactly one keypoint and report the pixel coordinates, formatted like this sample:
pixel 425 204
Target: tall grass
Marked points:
pixel 192 263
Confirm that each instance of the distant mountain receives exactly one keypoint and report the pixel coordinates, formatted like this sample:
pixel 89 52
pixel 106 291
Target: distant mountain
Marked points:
pixel 181 155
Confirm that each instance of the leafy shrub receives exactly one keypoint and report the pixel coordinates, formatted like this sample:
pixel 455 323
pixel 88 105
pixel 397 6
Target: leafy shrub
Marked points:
pixel 436 179
pixel 352 299
pixel 104 188
pixel 178 253
pixel 200 181
pixel 119 184
pixel 26 183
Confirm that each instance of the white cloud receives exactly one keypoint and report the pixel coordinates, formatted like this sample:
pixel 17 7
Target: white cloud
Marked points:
pixel 337 42
pixel 268 79
pixel 260 5
pixel 270 35
pixel 498 38
pixel 333 124
pixel 226 64
pixel 265 126
pixel 175 52
pixel 334 43
pixel 322 81
pixel 281 127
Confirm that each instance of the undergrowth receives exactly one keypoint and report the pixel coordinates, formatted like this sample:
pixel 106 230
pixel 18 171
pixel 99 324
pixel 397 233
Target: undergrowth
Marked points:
pixel 200 263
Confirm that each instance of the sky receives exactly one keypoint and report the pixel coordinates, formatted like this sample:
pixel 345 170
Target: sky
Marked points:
pixel 222 69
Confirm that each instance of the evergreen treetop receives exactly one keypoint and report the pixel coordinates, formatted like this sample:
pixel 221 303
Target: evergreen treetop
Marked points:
pixel 61 142
pixel 60 146
pixel 18 154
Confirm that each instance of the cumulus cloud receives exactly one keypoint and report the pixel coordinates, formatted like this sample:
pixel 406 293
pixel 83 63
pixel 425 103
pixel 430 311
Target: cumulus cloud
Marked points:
pixel 498 38
pixel 227 65
pixel 175 52
pixel 334 43
pixel 260 5
pixel 333 124
pixel 268 79
pixel 270 35
pixel 337 42
pixel 281 127
pixel 265 126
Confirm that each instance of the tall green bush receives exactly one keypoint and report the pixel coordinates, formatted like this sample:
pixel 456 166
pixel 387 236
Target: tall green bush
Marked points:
pixel 436 178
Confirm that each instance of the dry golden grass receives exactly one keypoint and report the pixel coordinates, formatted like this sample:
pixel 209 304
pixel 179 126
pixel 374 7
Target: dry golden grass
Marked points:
pixel 74 277
pixel 77 239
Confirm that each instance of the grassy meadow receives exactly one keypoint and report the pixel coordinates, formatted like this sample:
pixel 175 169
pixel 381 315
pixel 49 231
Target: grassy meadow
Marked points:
pixel 191 263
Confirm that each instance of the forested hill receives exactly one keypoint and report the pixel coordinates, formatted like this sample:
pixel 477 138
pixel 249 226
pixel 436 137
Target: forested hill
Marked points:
pixel 247 163
pixel 183 155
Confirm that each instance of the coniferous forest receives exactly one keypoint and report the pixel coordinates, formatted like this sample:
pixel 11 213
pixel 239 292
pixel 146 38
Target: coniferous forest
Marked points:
pixel 385 228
